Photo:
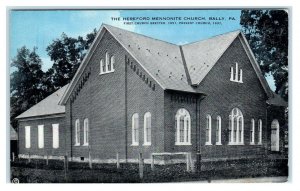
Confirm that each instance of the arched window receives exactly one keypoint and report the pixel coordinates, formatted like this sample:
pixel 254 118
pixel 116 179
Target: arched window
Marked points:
pixel 107 61
pixel 183 127
pixel 252 132
pixel 147 128
pixel 112 63
pixel 275 135
pixel 236 128
pixel 218 131
pixel 135 129
pixel 260 132
pixel 77 132
pixel 236 74
pixel 86 132
pixel 102 67
pixel 208 130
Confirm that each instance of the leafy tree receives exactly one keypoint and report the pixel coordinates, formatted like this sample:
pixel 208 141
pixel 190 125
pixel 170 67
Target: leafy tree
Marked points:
pixel 26 82
pixel 67 54
pixel 267 34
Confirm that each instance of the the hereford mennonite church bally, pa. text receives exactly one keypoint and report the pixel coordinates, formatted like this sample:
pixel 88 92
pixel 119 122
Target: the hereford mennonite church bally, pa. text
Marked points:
pixel 134 94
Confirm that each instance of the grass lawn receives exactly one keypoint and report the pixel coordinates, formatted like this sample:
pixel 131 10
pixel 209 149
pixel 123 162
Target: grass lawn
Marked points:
pixel 38 172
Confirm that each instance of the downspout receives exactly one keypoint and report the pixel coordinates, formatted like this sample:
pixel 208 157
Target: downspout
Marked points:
pixel 125 113
pixel 267 134
pixel 198 131
pixel 71 131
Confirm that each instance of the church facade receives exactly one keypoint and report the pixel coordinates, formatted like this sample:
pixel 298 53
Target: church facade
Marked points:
pixel 134 94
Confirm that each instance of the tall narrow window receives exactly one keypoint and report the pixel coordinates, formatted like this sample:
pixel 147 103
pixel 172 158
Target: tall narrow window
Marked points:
pixel 27 137
pixel 241 76
pixel 41 136
pixel 107 61
pixel 208 130
pixel 102 66
pixel 77 132
pixel 86 132
pixel 183 127
pixel 275 135
pixel 218 131
pixel 135 129
pixel 147 128
pixel 252 132
pixel 231 74
pixel 260 132
pixel 55 133
pixel 237 125
pixel 112 63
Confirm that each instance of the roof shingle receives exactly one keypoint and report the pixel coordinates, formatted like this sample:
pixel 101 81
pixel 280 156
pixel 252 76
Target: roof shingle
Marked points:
pixel 47 106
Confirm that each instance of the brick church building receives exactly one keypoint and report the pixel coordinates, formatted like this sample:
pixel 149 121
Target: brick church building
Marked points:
pixel 134 94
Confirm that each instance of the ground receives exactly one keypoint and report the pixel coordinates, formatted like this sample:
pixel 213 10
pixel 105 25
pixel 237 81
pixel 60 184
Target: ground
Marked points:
pixel 37 171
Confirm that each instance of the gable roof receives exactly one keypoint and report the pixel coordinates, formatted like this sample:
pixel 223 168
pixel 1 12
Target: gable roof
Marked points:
pixel 162 60
pixel 201 56
pixel 277 101
pixel 173 67
pixel 47 106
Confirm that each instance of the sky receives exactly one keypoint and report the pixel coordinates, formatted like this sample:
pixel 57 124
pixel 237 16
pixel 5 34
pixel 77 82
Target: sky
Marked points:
pixel 38 28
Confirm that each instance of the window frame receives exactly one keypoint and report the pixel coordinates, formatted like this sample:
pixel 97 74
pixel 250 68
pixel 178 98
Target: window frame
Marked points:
pixel 183 113
pixel 252 131
pixel 104 64
pixel 208 130
pixel 147 129
pixel 135 129
pixel 219 134
pixel 27 137
pixel 259 132
pixel 41 137
pixel 236 74
pixel 86 132
pixel 55 136
pixel 235 116
pixel 77 132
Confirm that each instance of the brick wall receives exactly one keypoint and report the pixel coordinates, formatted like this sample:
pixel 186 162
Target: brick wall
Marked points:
pixel 102 100
pixel 224 95
pixel 48 137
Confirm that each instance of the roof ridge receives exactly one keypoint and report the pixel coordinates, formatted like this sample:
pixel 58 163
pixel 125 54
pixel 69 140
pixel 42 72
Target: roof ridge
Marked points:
pixel 135 33
pixel 222 34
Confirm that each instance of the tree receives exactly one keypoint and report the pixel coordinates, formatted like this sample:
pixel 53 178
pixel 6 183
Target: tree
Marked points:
pixel 26 82
pixel 67 54
pixel 267 34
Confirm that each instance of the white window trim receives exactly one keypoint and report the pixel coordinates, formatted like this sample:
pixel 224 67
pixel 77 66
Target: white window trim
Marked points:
pixel 275 126
pixel 233 119
pixel 147 143
pixel 252 142
pixel 77 135
pixel 219 119
pixel 106 62
pixel 209 130
pixel 260 132
pixel 55 137
pixel 135 142
pixel 186 131
pixel 41 136
pixel 112 63
pixel 27 137
pixel 235 78
pixel 86 132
